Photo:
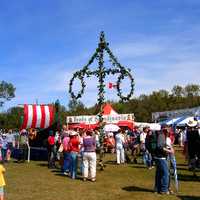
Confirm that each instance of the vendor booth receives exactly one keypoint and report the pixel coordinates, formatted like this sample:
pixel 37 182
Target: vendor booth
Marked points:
pixel 110 116
pixel 36 121
pixel 180 121
pixel 177 117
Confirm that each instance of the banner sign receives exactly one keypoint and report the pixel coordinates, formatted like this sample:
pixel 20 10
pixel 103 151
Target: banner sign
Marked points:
pixel 176 113
pixel 93 119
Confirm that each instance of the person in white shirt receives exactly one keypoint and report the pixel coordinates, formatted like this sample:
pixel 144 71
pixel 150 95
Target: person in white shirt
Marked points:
pixel 119 141
pixel 142 143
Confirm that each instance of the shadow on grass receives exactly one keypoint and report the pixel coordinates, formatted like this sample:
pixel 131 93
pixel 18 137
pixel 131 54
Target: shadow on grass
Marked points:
pixel 182 169
pixel 136 189
pixel 184 177
pixel 111 162
pixel 43 164
pixel 139 166
pixel 55 170
pixel 182 164
pixel 62 175
pixel 189 197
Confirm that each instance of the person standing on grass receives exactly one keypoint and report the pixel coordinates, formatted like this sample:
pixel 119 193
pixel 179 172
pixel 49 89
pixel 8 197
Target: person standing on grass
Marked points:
pixel 11 142
pixel 23 145
pixel 135 143
pixel 74 150
pixel 4 147
pixel 193 143
pixel 120 141
pixel 89 156
pixel 66 154
pixel 51 148
pixel 142 144
pixel 171 159
pixel 148 151
pixel 81 149
pixel 162 170
pixel 2 182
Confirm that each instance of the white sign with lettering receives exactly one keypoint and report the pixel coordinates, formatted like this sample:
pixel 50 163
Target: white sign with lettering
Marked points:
pixel 93 119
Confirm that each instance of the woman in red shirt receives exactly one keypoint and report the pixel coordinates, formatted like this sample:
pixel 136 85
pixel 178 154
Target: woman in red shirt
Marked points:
pixel 74 150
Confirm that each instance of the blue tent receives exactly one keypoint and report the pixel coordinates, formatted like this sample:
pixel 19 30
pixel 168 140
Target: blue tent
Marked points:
pixel 180 121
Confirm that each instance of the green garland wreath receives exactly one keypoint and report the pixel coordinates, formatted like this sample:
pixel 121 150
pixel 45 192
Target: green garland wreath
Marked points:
pixel 101 73
pixel 77 75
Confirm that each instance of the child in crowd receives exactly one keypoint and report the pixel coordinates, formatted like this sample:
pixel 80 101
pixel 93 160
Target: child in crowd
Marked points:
pixel 2 182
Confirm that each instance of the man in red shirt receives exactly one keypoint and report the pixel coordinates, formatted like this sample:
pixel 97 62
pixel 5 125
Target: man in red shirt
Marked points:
pixel 51 150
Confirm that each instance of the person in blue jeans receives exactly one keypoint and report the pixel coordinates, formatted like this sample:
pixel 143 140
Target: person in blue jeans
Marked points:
pixel 66 155
pixel 66 162
pixel 73 167
pixel 143 145
pixel 162 169
pixel 4 148
pixel 162 175
pixel 74 150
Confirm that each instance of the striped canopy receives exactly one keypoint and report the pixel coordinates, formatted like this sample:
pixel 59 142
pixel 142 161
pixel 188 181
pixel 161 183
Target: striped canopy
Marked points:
pixel 179 121
pixel 38 116
pixel 187 119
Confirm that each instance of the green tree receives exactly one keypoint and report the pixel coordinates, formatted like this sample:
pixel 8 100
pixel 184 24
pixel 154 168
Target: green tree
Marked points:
pixel 76 107
pixel 177 91
pixel 192 90
pixel 7 92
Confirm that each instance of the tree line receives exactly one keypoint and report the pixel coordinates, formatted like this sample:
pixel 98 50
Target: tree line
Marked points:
pixel 143 106
pixel 162 100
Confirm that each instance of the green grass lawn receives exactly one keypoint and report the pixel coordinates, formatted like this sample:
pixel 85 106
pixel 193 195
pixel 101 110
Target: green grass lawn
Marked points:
pixel 35 181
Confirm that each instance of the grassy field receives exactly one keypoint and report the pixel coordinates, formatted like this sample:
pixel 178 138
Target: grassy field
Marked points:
pixel 130 181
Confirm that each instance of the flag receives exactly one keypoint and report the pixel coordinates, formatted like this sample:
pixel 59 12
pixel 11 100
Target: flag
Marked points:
pixel 37 116
pixel 111 85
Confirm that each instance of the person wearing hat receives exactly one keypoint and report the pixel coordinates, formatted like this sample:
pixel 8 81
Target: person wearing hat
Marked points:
pixel 74 150
pixel 193 143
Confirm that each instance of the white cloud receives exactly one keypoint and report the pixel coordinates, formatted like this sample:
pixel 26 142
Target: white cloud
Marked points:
pixel 159 61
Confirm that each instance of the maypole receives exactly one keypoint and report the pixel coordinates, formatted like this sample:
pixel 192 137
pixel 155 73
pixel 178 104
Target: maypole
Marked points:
pixel 100 73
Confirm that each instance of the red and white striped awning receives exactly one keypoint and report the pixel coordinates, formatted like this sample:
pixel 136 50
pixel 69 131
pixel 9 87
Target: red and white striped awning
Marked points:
pixel 38 116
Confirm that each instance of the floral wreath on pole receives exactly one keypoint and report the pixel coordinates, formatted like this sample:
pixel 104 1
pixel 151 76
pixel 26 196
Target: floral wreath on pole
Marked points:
pixel 101 73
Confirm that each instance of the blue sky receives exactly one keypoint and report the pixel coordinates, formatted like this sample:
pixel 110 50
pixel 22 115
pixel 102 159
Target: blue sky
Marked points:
pixel 44 42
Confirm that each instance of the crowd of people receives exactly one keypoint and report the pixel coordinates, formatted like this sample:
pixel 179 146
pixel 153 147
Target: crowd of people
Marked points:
pixel 11 140
pixel 76 150
pixel 73 146
pixel 154 147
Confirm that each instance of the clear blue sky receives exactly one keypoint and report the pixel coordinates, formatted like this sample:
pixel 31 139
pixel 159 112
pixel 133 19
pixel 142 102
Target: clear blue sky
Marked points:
pixel 44 42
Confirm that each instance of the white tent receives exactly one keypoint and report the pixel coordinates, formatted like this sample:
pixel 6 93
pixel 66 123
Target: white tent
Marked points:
pixel 111 128
pixel 153 126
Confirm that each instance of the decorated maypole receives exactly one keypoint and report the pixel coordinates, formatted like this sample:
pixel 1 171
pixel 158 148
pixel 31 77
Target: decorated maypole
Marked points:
pixel 101 73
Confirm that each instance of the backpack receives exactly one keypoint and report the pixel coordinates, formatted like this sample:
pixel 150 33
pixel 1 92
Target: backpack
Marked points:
pixel 151 143
pixel 160 144
pixel 157 143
